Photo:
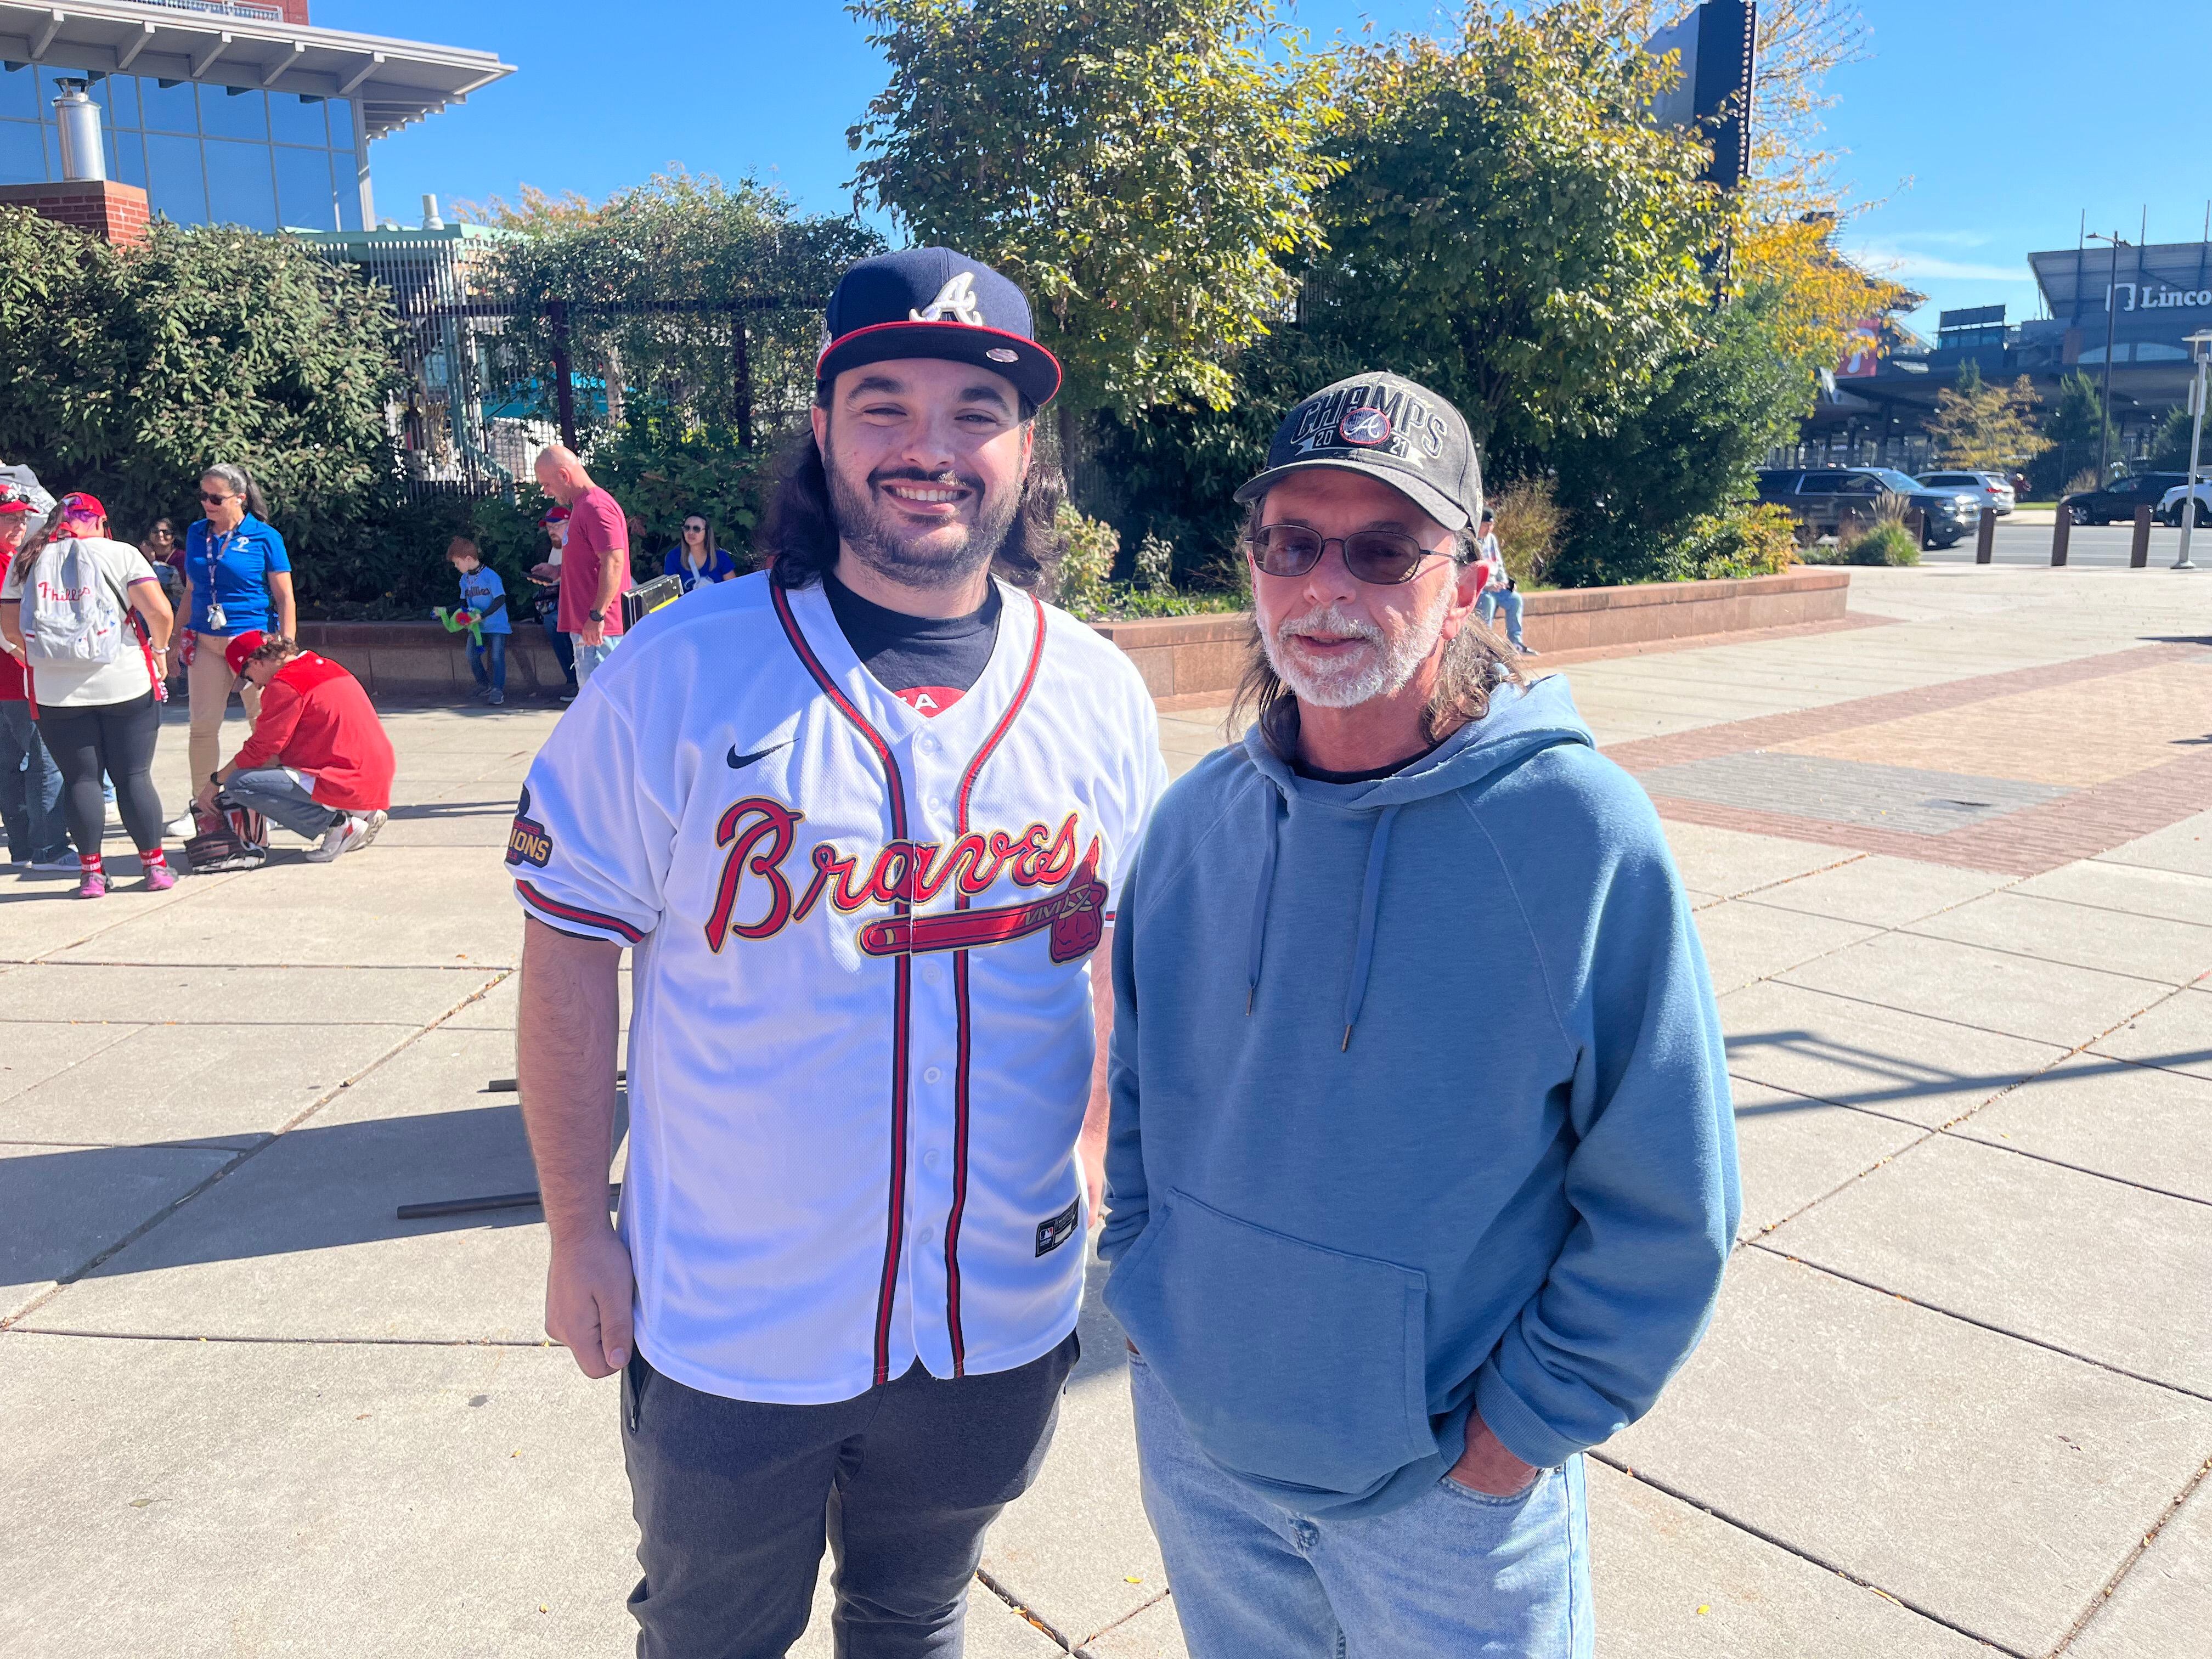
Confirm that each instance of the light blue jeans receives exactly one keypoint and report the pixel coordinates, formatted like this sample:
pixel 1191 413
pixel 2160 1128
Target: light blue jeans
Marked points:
pixel 589 657
pixel 1494 599
pixel 1455 1571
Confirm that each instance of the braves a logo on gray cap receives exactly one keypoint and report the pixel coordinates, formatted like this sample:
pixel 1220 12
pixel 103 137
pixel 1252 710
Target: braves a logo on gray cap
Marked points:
pixel 1376 418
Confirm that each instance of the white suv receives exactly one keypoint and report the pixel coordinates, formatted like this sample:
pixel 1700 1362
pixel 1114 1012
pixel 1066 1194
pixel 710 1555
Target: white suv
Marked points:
pixel 1994 489
pixel 2169 505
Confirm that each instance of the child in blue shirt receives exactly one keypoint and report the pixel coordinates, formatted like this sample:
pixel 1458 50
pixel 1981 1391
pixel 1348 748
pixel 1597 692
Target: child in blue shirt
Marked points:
pixel 484 601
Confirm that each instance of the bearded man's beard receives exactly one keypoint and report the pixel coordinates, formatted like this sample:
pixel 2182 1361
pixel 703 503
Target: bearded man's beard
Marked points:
pixel 1382 671
pixel 896 551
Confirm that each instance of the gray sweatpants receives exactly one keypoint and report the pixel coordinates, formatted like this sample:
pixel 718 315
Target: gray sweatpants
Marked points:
pixel 734 1499
pixel 282 799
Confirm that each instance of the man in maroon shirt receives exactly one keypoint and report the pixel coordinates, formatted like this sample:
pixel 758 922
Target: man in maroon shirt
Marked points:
pixel 317 763
pixel 594 560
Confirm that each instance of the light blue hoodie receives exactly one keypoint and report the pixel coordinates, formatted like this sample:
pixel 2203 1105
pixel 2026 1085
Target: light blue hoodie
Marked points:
pixel 1419 1099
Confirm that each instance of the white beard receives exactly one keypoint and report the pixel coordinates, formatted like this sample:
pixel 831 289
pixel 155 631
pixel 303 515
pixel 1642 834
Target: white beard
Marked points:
pixel 1379 670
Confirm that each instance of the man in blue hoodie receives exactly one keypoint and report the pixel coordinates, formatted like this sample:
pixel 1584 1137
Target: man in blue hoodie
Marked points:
pixel 1388 1270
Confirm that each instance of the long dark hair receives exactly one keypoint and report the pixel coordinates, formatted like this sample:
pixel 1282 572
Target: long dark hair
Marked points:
pixel 797 534
pixel 1473 661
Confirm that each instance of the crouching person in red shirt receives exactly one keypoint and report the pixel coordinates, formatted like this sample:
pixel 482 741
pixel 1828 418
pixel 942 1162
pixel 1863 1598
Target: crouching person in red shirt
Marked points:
pixel 317 763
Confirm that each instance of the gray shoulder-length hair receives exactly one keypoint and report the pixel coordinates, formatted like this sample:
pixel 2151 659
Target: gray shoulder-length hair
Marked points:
pixel 1474 659
pixel 239 482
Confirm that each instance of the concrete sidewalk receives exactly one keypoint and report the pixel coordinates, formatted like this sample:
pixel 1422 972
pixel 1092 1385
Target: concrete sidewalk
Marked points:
pixel 1954 877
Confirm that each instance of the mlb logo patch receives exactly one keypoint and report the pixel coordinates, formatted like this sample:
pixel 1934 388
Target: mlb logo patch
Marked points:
pixel 1051 1234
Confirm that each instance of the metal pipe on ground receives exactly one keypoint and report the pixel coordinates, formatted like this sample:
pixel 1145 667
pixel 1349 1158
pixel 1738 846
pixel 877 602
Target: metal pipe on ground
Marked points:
pixel 2062 526
pixel 2139 549
pixel 1986 536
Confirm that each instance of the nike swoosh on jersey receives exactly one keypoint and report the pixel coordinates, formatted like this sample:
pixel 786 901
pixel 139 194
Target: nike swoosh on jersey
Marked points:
pixel 738 763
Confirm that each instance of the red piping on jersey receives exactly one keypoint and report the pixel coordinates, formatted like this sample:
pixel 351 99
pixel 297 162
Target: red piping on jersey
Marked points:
pixel 960 902
pixel 902 986
pixel 576 913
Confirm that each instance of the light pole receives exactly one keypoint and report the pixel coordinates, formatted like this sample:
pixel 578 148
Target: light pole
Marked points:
pixel 2196 342
pixel 2111 296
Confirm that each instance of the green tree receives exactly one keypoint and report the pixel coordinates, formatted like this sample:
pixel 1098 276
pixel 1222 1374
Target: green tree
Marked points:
pixel 1984 427
pixel 2169 444
pixel 1508 225
pixel 1144 168
pixel 129 370
pixel 1633 481
pixel 2076 423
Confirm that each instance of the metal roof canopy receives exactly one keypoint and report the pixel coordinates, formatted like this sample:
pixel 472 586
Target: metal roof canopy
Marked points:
pixel 397 83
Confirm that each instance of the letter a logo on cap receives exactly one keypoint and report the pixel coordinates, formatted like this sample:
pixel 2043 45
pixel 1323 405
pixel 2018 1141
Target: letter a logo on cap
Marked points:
pixel 955 303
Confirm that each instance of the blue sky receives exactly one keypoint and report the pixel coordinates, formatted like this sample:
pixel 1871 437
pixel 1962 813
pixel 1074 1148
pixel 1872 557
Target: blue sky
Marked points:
pixel 1980 129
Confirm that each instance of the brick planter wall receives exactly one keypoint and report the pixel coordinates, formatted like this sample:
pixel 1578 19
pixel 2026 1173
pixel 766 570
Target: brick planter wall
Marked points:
pixel 1178 656
pixel 113 212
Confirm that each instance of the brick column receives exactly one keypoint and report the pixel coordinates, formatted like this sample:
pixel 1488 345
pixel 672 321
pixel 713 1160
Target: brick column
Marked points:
pixel 114 213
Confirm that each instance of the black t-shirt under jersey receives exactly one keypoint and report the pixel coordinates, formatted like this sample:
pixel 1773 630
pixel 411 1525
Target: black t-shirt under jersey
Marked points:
pixel 929 662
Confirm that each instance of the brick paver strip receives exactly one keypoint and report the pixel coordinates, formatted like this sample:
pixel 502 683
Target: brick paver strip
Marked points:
pixel 2026 843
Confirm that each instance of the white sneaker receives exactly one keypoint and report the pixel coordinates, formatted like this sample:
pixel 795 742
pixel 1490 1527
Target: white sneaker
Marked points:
pixel 184 827
pixel 67 861
pixel 375 821
pixel 348 832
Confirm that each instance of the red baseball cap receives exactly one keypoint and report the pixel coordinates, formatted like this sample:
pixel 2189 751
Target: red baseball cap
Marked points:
pixel 14 499
pixel 78 505
pixel 240 647
pixel 555 515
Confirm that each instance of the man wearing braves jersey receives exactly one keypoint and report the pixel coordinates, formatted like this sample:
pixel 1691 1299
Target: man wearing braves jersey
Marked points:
pixel 862 818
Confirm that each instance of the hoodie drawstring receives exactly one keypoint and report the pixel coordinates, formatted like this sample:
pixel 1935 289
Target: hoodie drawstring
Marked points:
pixel 1267 892
pixel 1370 898
pixel 1370 895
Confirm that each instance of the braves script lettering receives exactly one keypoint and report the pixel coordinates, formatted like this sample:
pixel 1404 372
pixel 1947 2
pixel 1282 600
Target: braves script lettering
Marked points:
pixel 754 899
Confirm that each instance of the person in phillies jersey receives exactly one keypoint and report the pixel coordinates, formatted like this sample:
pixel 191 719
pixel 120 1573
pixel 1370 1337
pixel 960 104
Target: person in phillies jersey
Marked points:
pixel 861 816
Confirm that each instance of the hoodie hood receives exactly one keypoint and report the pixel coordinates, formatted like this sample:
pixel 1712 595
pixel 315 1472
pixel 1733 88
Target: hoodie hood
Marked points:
pixel 1521 721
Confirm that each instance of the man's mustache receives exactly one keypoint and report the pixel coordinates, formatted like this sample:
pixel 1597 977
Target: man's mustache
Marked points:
pixel 1327 620
pixel 946 479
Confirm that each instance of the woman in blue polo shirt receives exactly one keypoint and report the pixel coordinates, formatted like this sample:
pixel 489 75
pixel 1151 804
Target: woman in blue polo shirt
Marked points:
pixel 238 577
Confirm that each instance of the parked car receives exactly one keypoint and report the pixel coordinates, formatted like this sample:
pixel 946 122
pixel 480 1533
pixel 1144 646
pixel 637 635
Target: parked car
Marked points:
pixel 1995 488
pixel 2120 498
pixel 2169 505
pixel 1823 497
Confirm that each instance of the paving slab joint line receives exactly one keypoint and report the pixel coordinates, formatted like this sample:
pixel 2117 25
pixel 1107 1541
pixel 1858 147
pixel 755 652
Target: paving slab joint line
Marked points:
pixel 1979 1324
pixel 1783 881
pixel 1021 1609
pixel 281 1341
pixel 1082 1649
pixel 1803 1554
pixel 216 879
pixel 2103 1598
pixel 248 1154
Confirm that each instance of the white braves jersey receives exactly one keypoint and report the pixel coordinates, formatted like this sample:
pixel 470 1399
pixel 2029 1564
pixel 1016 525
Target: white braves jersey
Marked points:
pixel 862 1043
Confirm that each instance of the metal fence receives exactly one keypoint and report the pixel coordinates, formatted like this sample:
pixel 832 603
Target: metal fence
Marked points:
pixel 492 381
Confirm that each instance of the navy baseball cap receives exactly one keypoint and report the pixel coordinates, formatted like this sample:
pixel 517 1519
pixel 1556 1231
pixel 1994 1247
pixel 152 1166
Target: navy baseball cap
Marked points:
pixel 1390 428
pixel 933 302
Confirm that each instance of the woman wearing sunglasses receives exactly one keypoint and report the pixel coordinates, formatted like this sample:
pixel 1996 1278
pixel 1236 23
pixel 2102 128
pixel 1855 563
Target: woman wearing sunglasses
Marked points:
pixel 237 579
pixel 697 559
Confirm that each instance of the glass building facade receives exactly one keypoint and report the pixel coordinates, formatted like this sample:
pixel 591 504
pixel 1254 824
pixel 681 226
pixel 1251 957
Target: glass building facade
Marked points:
pixel 204 153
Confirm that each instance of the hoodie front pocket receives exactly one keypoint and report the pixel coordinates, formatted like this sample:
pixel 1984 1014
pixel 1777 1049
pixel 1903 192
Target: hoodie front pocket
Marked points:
pixel 1290 1361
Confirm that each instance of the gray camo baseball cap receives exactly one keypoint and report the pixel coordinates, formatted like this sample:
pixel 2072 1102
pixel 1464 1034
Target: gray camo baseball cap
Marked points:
pixel 1389 428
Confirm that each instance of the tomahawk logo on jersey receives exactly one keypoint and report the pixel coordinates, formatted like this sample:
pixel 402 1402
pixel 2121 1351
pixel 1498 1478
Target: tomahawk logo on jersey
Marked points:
pixel 862 1026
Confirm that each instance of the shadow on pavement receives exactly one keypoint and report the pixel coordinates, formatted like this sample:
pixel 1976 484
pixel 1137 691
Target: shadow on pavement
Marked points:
pixel 1910 1079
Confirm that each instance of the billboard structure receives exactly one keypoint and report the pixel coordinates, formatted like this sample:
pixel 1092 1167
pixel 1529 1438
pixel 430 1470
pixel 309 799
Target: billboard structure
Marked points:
pixel 1719 45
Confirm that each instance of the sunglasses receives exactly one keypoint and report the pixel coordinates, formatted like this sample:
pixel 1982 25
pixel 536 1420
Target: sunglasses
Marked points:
pixel 217 500
pixel 1381 558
